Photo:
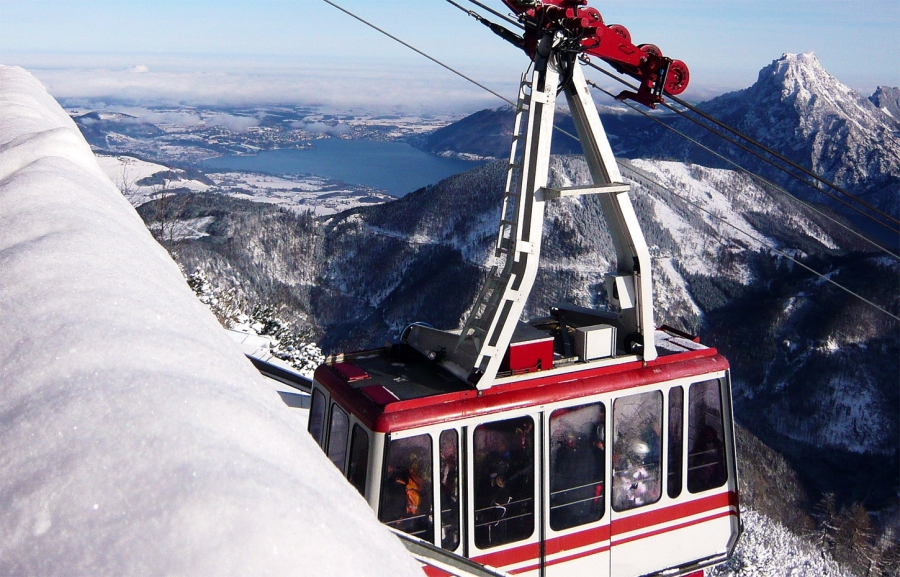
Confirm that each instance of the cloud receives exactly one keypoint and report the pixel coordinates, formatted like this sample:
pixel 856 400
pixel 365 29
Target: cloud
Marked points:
pixel 338 86
pixel 321 127
pixel 180 118
pixel 232 122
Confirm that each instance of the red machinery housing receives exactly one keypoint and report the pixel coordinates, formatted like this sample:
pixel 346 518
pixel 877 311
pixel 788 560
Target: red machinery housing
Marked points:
pixel 610 42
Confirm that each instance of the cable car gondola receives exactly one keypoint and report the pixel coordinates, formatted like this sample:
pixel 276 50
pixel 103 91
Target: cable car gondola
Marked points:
pixel 583 442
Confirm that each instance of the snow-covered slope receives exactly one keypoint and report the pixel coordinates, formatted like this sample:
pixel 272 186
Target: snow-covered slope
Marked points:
pixel 768 549
pixel 135 439
pixel 887 99
pixel 135 178
pixel 799 109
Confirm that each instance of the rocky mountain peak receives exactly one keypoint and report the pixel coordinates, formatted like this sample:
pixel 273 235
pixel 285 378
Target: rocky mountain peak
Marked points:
pixel 802 81
pixel 887 99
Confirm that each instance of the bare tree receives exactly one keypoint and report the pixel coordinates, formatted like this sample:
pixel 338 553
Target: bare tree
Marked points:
pixel 124 182
pixel 166 222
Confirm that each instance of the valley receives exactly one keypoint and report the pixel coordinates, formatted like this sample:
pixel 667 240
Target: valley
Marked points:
pixel 815 370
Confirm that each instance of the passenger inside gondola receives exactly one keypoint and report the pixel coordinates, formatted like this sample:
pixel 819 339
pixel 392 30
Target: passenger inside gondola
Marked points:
pixel 504 481
pixel 637 451
pixel 577 458
pixel 406 494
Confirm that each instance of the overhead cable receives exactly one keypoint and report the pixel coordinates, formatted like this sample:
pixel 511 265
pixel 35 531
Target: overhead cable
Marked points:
pixel 416 50
pixel 509 20
pixel 767 160
pixel 631 168
pixel 822 276
pixel 784 159
pixel 752 175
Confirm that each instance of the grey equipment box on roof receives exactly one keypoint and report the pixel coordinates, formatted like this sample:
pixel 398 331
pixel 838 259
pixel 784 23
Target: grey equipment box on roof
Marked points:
pixel 595 342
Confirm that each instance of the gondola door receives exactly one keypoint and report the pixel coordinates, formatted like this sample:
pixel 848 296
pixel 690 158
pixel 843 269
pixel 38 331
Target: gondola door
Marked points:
pixel 503 488
pixel 576 502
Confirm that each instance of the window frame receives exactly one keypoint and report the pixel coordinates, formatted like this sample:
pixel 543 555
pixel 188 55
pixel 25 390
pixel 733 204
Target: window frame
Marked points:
pixel 584 449
pixel 352 460
pixel 320 440
pixel 482 502
pixel 330 452
pixel 717 468
pixel 633 486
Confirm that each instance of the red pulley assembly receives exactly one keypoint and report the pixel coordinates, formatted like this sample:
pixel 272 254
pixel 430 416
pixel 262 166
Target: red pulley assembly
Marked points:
pixel 582 28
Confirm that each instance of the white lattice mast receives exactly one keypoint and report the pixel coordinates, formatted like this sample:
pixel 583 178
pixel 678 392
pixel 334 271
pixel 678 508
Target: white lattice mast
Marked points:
pixel 478 351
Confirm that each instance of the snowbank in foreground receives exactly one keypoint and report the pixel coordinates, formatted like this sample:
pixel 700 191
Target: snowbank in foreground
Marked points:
pixel 135 439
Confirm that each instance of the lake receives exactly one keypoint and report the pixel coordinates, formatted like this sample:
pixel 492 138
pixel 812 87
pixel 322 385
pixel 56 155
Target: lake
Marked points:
pixel 395 167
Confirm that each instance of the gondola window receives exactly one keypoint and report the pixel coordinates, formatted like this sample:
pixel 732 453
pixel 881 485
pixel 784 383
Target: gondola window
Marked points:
pixel 337 437
pixel 504 481
pixel 359 459
pixel 317 417
pixel 637 422
pixel 407 494
pixel 577 465
pixel 706 460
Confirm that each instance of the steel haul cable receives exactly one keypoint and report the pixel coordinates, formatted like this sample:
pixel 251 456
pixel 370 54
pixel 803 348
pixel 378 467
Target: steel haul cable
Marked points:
pixel 731 130
pixel 767 160
pixel 820 275
pixel 754 176
pixel 824 277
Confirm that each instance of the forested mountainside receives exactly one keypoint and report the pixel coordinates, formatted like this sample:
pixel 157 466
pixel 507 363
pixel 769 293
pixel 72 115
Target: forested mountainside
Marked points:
pixel 796 108
pixel 814 370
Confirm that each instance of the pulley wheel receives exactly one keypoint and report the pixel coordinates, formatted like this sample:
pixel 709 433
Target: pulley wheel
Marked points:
pixel 651 50
pixel 621 31
pixel 678 77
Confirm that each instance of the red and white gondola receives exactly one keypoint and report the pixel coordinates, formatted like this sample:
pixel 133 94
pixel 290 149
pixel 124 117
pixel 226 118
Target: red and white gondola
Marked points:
pixel 585 442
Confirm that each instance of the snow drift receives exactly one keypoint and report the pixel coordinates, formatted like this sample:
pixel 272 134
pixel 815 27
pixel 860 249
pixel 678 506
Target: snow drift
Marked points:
pixel 134 437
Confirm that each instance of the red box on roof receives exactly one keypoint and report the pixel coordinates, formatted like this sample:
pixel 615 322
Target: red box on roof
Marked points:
pixel 530 350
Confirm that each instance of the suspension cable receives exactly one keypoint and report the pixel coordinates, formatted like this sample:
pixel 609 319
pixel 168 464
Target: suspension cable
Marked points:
pixel 726 138
pixel 756 177
pixel 782 158
pixel 763 158
pixel 416 50
pixel 620 164
pixel 515 23
pixel 644 175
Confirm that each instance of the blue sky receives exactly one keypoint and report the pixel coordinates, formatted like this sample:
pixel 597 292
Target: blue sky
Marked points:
pixel 305 50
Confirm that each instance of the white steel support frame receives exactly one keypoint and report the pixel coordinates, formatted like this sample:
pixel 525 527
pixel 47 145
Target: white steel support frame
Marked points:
pixel 478 352
pixel 524 246
pixel 632 255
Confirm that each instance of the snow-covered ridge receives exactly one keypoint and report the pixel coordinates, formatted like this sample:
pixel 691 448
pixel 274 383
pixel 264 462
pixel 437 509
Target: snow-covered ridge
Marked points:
pixel 135 439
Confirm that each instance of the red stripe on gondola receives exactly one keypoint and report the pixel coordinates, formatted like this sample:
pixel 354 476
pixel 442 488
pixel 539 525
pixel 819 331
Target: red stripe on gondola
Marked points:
pixel 597 551
pixel 433 571
pixel 576 540
pixel 674 528
pixel 426 411
pixel 669 514
pixel 602 533
pixel 512 556
pixel 411 413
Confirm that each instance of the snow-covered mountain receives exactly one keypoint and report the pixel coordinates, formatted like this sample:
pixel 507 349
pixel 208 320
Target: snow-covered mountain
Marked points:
pixel 796 107
pixel 799 109
pixel 887 99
